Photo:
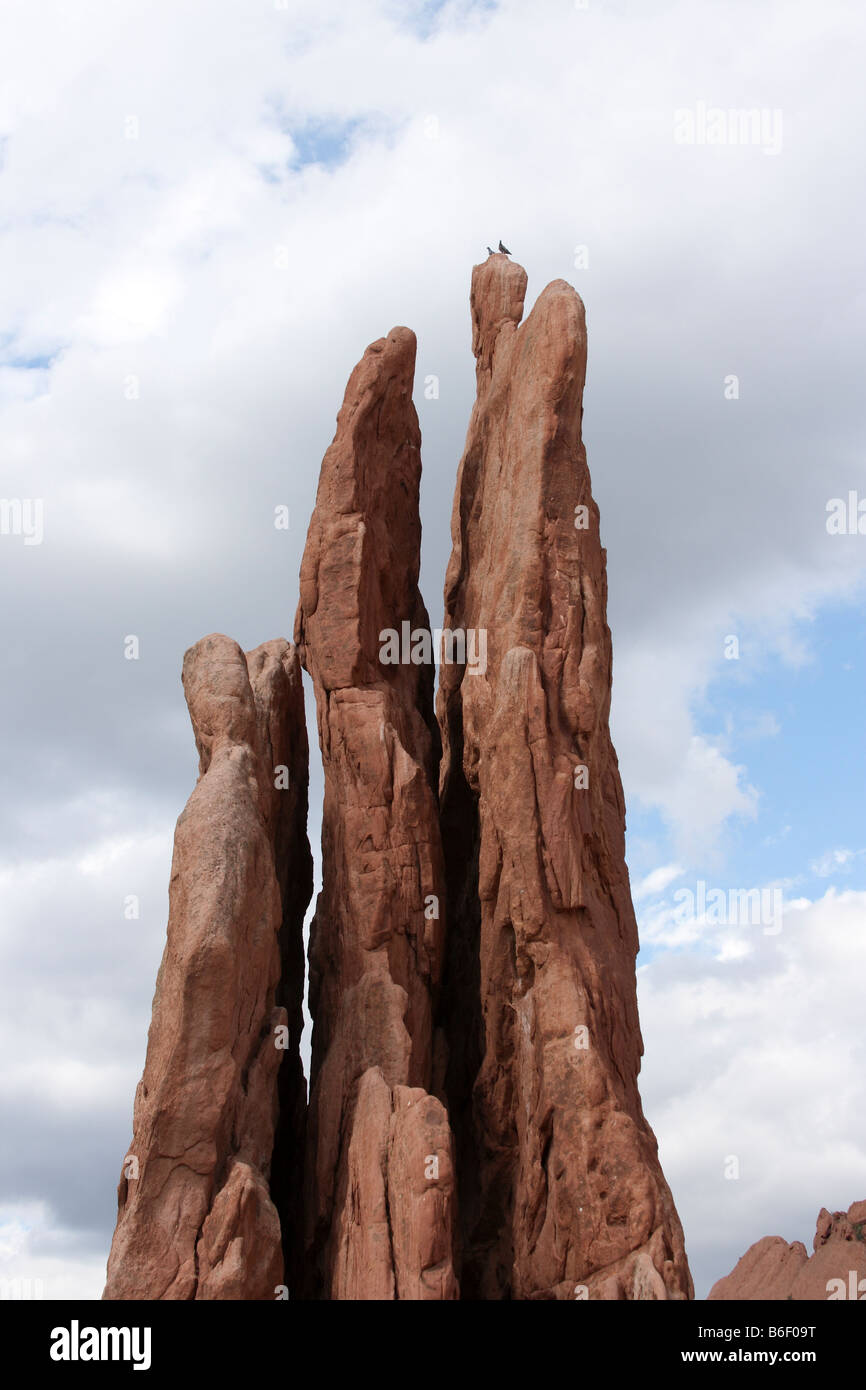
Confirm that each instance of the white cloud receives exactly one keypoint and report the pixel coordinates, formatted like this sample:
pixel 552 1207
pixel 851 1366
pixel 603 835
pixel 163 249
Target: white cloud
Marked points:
pixel 131 304
pixel 834 860
pixel 761 1057
pixel 656 882
pixel 38 1261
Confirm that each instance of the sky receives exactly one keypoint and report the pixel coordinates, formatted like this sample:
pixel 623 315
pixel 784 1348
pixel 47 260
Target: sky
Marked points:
pixel 207 211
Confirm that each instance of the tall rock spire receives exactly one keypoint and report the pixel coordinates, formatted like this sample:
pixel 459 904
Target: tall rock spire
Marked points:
pixel 561 1190
pixel 379 1193
pixel 495 1060
pixel 195 1215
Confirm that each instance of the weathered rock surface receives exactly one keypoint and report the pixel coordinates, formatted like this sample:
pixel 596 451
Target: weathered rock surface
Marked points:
pixel 773 1269
pixel 474 1119
pixel 379 1172
pixel 196 1219
pixel 559 1180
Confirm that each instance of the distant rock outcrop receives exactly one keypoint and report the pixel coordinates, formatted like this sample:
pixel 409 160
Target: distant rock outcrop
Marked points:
pixel 772 1269
pixel 195 1215
pixel 379 1195
pixel 561 1191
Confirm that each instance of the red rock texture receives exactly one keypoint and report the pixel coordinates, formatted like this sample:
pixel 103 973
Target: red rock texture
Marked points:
pixel 560 1187
pixel 772 1269
pixel 474 1125
pixel 378 1208
pixel 198 1220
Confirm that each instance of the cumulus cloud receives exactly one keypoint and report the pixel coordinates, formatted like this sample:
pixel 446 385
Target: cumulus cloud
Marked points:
pixel 656 882
pixel 835 861
pixel 757 1054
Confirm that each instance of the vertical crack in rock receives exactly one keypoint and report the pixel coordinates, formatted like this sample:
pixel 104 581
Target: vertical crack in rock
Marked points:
pixel 195 1216
pixel 561 1190
pixel 379 1178
pixel 277 683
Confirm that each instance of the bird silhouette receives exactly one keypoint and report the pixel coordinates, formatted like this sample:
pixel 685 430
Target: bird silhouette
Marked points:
pixel 504 249
pixel 490 251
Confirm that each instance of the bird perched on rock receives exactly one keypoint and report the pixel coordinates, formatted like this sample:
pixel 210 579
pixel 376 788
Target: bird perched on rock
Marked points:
pixel 504 249
pixel 490 251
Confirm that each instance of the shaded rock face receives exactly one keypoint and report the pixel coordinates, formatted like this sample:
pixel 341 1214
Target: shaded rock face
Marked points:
pixel 379 1181
pixel 772 1269
pixel 195 1215
pixel 561 1192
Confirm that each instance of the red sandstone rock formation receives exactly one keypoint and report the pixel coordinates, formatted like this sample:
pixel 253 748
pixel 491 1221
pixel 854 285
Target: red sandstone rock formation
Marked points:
pixel 560 1188
pixel 772 1269
pixel 196 1219
pixel 522 1018
pixel 379 1189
